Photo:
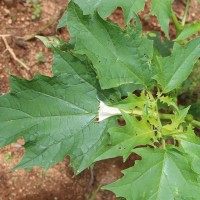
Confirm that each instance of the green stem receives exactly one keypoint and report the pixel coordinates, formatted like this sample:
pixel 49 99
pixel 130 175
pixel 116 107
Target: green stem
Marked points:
pixel 186 12
pixel 166 116
pixel 163 143
pixel 176 23
pixel 195 123
pixel 138 112
pixel 135 112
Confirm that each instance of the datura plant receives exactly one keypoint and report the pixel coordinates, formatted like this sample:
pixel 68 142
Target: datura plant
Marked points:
pixel 95 74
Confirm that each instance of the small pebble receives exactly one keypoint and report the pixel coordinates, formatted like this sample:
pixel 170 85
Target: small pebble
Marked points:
pixel 10 21
pixel 193 15
pixel 7 11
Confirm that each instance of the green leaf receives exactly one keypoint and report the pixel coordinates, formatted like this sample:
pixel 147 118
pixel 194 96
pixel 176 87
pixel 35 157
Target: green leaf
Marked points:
pixel 169 101
pixel 129 88
pixel 189 30
pixel 190 144
pixel 131 102
pixel 176 120
pixel 162 9
pixel 105 8
pixel 161 174
pixel 161 47
pixel 63 21
pixel 125 138
pixel 56 116
pixel 175 69
pixel 50 41
pixel 180 115
pixel 120 57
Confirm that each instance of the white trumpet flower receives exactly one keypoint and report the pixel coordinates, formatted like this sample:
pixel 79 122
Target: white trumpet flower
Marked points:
pixel 107 111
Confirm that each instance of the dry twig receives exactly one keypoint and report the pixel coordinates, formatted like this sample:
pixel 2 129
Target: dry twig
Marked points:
pixel 12 53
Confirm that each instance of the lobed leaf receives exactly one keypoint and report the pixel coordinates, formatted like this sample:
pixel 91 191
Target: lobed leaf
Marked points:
pixel 120 57
pixel 125 138
pixel 177 120
pixel 105 8
pixel 189 30
pixel 161 174
pixel 131 102
pixel 162 9
pixel 190 144
pixel 56 116
pixel 175 69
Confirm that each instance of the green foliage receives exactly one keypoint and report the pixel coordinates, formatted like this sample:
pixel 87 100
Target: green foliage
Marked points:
pixel 37 9
pixel 162 174
pixel 40 57
pixel 8 156
pixel 181 62
pixel 135 133
pixel 162 47
pixel 105 8
pixel 74 112
pixel 162 9
pixel 49 127
pixel 189 30
pixel 114 64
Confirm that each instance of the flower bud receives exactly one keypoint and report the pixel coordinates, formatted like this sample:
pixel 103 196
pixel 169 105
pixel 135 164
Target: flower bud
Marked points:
pixel 107 111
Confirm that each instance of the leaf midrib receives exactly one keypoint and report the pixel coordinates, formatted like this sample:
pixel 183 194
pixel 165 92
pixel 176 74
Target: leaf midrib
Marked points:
pixel 70 136
pixel 114 54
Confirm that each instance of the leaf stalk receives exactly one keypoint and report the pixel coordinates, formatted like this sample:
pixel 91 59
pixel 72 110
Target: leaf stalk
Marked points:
pixel 138 112
pixel 186 12
pixel 177 25
pixel 195 123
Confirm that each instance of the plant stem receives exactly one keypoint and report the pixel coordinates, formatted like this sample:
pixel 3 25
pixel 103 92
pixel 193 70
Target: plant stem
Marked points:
pixel 176 23
pixel 135 112
pixel 138 112
pixel 186 12
pixel 163 143
pixel 196 123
